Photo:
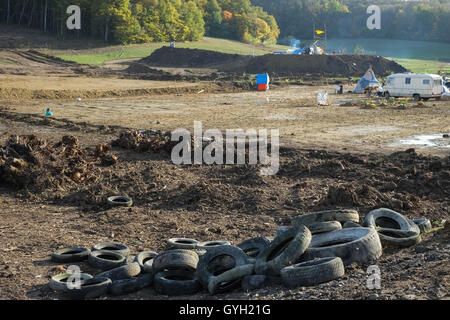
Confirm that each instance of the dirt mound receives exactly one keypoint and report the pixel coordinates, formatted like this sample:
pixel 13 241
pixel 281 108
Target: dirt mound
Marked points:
pixel 67 173
pixel 282 65
pixel 31 163
pixel 143 141
pixel 347 65
pixel 143 68
pixel 189 58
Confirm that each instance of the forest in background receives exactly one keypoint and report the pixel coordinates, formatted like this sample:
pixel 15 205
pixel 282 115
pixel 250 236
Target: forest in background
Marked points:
pixel 427 20
pixel 138 21
pixel 250 21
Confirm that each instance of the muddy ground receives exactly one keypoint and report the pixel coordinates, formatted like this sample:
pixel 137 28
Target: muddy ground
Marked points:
pixel 57 209
pixel 344 155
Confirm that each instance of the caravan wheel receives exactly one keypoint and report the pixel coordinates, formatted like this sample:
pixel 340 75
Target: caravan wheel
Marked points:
pixel 387 95
pixel 416 97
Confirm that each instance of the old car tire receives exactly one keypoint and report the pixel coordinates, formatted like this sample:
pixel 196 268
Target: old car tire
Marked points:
pixel 182 243
pixel 218 260
pixel 92 288
pixel 211 244
pixel 111 246
pixel 351 245
pixel 254 246
pixel 127 286
pixel 178 259
pixel 176 283
pixel 313 272
pixel 351 224
pixel 328 215
pixel 235 275
pixel 393 228
pixel 399 238
pixel 145 260
pixel 106 260
pixel 124 272
pixel 322 227
pixel 70 255
pixel 284 250
pixel 389 219
pixel 59 282
pixel 120 201
pixel 423 224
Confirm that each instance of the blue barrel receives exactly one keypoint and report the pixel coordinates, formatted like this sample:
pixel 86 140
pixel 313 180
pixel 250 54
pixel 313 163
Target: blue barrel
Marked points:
pixel 262 79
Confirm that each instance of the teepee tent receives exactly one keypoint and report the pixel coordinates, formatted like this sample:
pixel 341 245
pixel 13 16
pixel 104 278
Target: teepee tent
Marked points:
pixel 368 80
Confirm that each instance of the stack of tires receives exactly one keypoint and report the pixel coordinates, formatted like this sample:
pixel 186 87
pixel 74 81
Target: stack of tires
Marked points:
pixel 313 250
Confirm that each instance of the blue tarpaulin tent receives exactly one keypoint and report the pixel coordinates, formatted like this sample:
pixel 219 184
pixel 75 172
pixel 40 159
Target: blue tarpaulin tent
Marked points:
pixel 368 80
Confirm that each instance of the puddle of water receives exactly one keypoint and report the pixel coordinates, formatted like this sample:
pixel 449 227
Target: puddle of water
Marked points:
pixel 282 117
pixel 424 140
pixel 366 129
pixel 339 101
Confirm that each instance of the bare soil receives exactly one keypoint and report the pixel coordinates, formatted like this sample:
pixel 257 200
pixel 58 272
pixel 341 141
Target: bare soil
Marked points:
pixel 56 172
pixel 283 65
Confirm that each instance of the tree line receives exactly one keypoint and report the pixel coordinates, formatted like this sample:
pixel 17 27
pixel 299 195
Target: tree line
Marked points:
pixel 407 20
pixel 137 21
pixel 253 21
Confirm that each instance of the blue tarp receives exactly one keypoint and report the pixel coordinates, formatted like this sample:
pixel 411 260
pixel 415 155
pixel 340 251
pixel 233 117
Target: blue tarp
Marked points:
pixel 262 79
pixel 299 51
pixel 368 80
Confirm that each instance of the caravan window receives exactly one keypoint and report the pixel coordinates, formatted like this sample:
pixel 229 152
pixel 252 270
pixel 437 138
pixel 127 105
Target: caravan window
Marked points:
pixel 408 80
pixel 426 81
pixel 437 82
pixel 390 81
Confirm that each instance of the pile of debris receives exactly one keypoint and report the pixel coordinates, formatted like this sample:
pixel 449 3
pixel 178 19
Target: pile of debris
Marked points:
pixel 144 141
pixel 29 162
pixel 314 249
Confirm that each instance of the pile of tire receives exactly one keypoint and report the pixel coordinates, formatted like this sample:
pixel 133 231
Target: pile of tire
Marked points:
pixel 313 250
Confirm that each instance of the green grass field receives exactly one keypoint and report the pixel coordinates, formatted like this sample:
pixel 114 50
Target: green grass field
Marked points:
pixel 102 55
pixel 424 66
pixel 99 56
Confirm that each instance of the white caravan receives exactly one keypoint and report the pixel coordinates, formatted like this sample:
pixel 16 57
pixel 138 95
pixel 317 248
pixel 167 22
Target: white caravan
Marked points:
pixel 419 86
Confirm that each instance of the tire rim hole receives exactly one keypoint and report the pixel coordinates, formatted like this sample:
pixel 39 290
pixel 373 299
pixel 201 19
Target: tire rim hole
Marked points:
pixel 110 248
pixel 385 222
pixel 147 261
pixel 221 263
pixel 108 257
pixel 72 252
pixel 121 200
pixel 391 234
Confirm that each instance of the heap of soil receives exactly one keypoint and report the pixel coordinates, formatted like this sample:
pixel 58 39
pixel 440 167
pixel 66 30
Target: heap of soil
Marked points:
pixel 281 65
pixel 32 163
pixel 143 141
pixel 66 173
pixel 190 58
pixel 346 65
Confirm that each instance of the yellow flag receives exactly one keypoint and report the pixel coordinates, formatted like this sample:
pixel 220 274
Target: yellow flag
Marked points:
pixel 320 31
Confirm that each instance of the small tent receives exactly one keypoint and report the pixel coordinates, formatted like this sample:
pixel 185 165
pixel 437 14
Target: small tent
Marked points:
pixel 368 80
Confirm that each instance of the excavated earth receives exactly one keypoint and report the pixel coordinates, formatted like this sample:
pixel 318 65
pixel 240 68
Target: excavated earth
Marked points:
pixel 281 65
pixel 54 183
